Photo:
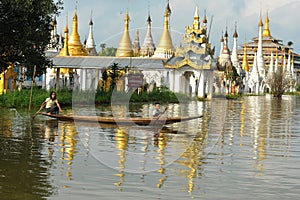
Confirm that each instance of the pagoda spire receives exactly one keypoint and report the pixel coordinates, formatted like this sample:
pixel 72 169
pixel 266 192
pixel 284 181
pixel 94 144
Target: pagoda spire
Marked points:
pixel 136 44
pixel 224 59
pixel 125 46
pixel 260 23
pixel 266 32
pixel 196 22
pixel 234 56
pixel 90 42
pixel 165 47
pixel 204 18
pixel 65 50
pixel 148 46
pixel 75 46
pixel 245 65
pixel 222 44
pixel 260 56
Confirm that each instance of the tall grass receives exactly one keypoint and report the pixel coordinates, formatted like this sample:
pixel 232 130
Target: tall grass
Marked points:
pixel 20 99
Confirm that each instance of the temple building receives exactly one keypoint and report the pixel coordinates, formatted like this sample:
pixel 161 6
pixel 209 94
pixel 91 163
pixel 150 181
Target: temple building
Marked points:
pixel 193 61
pixel 270 45
pixel 189 68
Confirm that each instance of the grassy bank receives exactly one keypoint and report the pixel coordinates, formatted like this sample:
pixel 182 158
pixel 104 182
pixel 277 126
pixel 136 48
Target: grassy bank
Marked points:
pixel 21 99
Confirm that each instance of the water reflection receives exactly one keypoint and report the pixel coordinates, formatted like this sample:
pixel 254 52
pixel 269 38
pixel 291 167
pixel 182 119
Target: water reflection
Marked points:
pixel 23 167
pixel 238 147
pixel 68 143
pixel 121 138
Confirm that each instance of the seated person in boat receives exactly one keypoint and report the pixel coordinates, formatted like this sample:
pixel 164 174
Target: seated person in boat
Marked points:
pixel 157 112
pixel 51 104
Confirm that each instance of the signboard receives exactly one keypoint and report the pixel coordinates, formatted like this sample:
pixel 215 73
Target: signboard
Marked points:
pixel 135 80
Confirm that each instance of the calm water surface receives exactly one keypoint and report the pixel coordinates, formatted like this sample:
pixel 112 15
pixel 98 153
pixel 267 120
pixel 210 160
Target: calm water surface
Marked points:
pixel 247 148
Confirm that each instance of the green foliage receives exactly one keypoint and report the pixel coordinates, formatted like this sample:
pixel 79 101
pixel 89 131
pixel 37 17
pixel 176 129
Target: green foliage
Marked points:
pixel 233 96
pixel 298 87
pixel 25 32
pixel 20 99
pixel 107 51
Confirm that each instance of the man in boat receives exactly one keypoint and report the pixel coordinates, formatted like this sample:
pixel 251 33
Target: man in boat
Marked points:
pixel 51 104
pixel 157 112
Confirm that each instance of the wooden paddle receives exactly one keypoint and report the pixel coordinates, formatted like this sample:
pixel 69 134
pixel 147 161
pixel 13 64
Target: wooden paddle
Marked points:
pixel 160 115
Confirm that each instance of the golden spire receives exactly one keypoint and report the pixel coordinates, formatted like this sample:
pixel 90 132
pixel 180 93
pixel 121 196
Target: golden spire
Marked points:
pixel 75 46
pixel 245 65
pixel 165 45
pixel 65 51
pixel 167 16
pixel 196 23
pixel 266 32
pixel 125 46
pixel 260 23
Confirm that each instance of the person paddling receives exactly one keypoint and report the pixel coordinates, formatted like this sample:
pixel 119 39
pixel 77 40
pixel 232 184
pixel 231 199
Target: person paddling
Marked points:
pixel 157 113
pixel 51 104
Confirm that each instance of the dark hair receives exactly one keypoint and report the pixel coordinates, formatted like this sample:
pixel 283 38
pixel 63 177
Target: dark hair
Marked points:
pixel 157 103
pixel 51 95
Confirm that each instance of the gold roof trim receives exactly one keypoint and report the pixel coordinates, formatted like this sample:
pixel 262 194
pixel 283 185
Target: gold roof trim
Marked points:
pixel 188 62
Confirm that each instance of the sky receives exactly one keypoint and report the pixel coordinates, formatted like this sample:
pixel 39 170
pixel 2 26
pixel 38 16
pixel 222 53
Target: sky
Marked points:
pixel 108 19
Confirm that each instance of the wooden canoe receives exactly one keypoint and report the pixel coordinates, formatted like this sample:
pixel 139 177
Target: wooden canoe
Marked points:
pixel 123 121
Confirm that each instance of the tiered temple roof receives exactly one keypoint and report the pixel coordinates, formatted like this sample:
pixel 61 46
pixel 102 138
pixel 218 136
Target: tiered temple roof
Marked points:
pixel 195 50
pixel 270 45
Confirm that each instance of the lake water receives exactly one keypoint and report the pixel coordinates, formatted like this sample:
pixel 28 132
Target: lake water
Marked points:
pixel 247 148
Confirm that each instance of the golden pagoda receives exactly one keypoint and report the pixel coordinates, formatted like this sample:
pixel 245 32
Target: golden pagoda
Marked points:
pixel 125 46
pixel 74 45
pixel 165 46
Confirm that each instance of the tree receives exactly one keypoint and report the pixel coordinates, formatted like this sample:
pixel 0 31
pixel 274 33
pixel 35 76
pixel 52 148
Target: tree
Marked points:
pixel 279 82
pixel 290 43
pixel 107 51
pixel 25 32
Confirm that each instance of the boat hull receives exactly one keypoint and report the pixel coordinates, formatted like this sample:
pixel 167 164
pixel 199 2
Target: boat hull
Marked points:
pixel 123 121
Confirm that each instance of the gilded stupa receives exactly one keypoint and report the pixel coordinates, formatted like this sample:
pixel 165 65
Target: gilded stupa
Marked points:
pixel 125 46
pixel 165 47
pixel 75 46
